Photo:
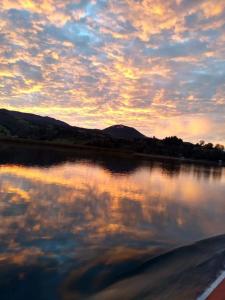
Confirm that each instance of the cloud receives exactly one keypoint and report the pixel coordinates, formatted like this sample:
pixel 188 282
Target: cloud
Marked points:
pixel 95 63
pixel 183 48
pixel 190 125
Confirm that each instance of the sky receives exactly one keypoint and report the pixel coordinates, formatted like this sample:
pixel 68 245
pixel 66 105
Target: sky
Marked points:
pixel 156 65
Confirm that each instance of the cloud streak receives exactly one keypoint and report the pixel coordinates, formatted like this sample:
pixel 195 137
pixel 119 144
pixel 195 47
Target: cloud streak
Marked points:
pixel 95 63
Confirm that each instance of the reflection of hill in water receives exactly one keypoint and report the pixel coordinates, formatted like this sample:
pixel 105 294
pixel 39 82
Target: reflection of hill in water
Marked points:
pixel 50 156
pixel 84 231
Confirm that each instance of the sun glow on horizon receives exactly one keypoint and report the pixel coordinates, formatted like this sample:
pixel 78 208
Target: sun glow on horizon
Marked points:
pixel 158 66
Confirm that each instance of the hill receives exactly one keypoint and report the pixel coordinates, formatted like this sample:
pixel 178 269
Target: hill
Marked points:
pixel 19 126
pixel 123 132
pixel 26 125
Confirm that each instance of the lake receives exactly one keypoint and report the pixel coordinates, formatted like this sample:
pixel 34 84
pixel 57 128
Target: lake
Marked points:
pixel 60 211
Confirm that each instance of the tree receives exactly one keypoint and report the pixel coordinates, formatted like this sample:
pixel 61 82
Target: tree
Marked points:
pixel 219 147
pixel 173 141
pixel 208 146
pixel 4 131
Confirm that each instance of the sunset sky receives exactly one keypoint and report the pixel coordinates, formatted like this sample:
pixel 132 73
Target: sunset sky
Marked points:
pixel 157 65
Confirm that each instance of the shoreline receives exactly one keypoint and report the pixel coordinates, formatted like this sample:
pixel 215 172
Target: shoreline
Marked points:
pixel 109 151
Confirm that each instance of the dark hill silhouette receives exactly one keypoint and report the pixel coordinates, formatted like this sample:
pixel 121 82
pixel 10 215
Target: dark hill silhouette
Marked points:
pixel 19 126
pixel 123 132
pixel 26 125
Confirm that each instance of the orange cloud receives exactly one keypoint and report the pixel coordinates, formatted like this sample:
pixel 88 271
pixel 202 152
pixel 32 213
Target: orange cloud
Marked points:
pixel 134 62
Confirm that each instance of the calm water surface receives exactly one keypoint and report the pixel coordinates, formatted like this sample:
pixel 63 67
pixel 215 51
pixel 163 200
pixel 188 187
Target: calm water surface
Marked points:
pixel 62 213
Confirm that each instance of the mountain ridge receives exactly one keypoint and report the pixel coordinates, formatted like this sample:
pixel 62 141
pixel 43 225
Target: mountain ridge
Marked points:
pixel 22 127
pixel 22 124
pixel 30 125
pixel 124 132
